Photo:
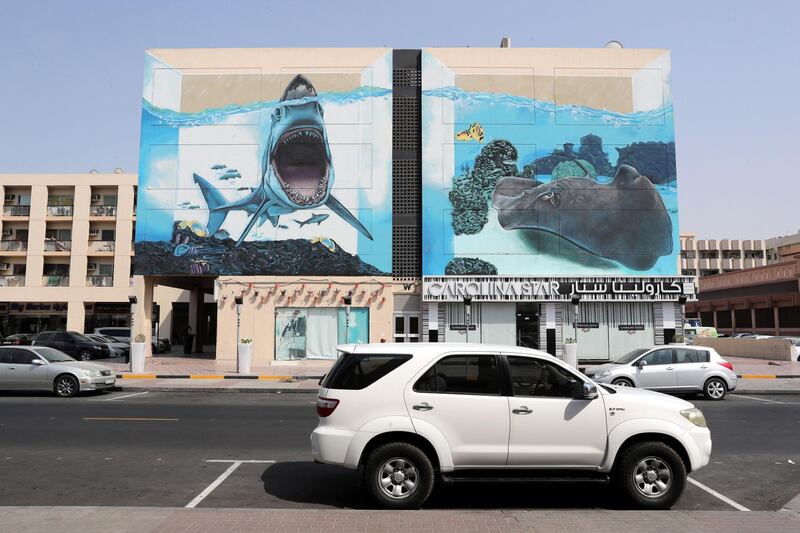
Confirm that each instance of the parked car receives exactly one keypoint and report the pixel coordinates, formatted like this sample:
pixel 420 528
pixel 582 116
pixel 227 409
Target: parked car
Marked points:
pixel 743 335
pixel 124 335
pixel 73 344
pixel 670 369
pixel 43 368
pixel 115 346
pixel 405 415
pixel 796 342
pixel 18 339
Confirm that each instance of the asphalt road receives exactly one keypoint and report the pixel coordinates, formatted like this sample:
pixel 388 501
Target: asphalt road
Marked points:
pixel 153 449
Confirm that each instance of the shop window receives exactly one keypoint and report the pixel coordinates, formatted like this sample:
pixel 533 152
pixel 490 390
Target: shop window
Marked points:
pixel 313 333
pixel 743 318
pixel 724 319
pixel 765 318
pixel 789 317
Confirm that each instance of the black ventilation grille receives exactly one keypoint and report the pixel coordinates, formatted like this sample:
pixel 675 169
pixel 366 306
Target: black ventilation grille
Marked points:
pixel 406 118
pixel 406 187
pixel 405 251
pixel 406 77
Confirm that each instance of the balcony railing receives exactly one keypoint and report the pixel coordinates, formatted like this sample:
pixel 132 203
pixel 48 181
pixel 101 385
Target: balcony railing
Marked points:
pixel 103 210
pixel 57 246
pixel 101 246
pixel 55 281
pixel 59 210
pixel 100 281
pixel 12 281
pixel 17 210
pixel 13 246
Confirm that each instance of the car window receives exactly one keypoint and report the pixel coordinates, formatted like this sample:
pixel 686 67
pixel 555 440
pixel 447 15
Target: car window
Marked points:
pixel 535 377
pixel 462 374
pixel 355 372
pixel 685 355
pixel 53 355
pixel 62 337
pixel 5 355
pixel 658 357
pixel 43 336
pixel 117 332
pixel 22 357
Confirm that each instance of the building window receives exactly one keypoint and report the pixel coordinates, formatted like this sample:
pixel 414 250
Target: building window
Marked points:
pixel 688 272
pixel 754 254
pixel 731 254
pixel 314 332
pixel 709 254
pixel 708 272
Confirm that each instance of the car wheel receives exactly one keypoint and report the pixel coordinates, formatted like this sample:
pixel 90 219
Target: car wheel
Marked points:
pixel 85 355
pixel 66 386
pixel 650 475
pixel 715 389
pixel 399 475
pixel 622 382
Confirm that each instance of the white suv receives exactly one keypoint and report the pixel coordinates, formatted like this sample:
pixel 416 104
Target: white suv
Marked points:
pixel 405 415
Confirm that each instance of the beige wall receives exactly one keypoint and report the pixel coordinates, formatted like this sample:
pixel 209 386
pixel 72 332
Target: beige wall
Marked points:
pixel 777 349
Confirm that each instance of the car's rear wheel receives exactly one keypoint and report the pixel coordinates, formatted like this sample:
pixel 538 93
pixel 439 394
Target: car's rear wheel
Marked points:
pixel 715 389
pixel 622 382
pixel 399 475
pixel 66 386
pixel 85 355
pixel 651 475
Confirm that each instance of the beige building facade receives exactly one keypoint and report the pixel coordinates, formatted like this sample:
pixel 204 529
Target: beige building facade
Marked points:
pixel 708 257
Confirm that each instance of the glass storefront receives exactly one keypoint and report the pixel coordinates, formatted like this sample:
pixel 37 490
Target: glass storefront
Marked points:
pixel 314 332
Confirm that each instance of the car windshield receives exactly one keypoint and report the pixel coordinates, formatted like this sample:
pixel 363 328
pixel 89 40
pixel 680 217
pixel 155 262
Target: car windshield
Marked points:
pixel 53 355
pixel 112 339
pixel 630 356
pixel 82 337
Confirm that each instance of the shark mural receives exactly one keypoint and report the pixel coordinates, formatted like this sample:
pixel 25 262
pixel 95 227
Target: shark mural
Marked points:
pixel 218 176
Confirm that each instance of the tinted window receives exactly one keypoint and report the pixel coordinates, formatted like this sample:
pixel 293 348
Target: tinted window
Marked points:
pixel 5 355
pixel 659 357
pixel 22 357
pixel 461 374
pixel 684 355
pixel 535 377
pixel 53 355
pixel 62 337
pixel 43 336
pixel 353 372
pixel 117 332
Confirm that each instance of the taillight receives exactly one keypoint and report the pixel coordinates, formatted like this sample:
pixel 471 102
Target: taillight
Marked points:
pixel 325 406
pixel 17 341
pixel 727 365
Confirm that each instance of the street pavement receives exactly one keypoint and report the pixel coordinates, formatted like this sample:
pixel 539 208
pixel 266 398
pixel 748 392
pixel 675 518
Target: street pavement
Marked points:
pixel 160 449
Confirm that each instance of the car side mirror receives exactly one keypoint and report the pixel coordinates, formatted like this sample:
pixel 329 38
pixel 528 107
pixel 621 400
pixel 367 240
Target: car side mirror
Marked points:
pixel 37 361
pixel 583 390
pixel 641 363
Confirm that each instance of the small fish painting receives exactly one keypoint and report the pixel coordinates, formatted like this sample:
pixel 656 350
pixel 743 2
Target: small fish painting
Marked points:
pixel 473 133
pixel 218 166
pixel 315 219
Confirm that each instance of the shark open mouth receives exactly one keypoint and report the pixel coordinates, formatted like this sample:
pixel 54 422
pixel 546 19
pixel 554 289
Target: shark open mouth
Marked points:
pixel 301 164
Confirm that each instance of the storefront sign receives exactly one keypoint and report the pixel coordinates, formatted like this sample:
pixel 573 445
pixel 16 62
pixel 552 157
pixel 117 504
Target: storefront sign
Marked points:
pixel 462 327
pixel 37 308
pixel 631 327
pixel 507 289
pixel 586 325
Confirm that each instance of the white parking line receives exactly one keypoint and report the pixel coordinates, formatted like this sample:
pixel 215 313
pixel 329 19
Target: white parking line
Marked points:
pixel 718 495
pixel 236 463
pixel 115 398
pixel 754 398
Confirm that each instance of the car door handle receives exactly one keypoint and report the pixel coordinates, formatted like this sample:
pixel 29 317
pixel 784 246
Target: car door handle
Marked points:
pixel 424 406
pixel 523 410
pixel 703 366
pixel 12 368
pixel 670 368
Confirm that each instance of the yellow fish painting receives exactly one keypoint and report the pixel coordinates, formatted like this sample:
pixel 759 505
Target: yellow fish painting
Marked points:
pixel 473 133
pixel 196 227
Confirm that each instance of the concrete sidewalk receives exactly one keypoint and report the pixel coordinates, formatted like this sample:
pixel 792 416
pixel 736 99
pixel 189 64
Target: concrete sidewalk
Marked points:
pixel 150 519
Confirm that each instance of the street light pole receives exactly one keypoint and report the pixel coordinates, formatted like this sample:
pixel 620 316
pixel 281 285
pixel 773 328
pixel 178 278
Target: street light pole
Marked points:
pixel 468 314
pixel 348 300
pixel 239 300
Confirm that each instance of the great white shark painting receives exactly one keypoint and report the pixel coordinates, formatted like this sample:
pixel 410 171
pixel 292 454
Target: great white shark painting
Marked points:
pixel 297 170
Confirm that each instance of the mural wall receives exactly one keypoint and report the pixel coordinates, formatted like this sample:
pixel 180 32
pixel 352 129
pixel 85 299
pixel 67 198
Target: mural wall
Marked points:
pixel 548 162
pixel 265 161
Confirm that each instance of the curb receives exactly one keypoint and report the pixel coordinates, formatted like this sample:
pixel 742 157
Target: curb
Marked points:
pixel 117 388
pixel 768 376
pixel 260 377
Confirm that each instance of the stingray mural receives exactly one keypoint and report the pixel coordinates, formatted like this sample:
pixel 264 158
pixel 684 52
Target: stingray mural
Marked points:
pixel 265 185
pixel 566 172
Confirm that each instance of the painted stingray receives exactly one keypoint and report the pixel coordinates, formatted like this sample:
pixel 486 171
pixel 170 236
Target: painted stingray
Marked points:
pixel 623 220
pixel 297 169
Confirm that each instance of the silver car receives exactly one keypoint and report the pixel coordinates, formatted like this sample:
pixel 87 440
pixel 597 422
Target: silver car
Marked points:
pixel 43 368
pixel 670 369
pixel 116 347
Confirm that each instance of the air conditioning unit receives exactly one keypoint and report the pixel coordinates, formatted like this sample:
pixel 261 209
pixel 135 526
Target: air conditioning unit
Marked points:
pixel 4 266
pixel 96 198
pixel 92 266
pixel 11 197
pixel 8 232
pixel 94 232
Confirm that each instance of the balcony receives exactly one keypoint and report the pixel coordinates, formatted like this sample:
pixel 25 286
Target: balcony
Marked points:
pixel 59 210
pixel 16 210
pixel 99 281
pixel 57 246
pixel 101 246
pixel 102 211
pixel 12 281
pixel 55 281
pixel 13 246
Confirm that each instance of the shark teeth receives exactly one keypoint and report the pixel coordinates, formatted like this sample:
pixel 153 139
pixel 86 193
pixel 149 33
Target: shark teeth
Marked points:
pixel 302 135
pixel 305 195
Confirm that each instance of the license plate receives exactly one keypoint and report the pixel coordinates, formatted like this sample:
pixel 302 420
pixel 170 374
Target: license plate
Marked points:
pixel 109 381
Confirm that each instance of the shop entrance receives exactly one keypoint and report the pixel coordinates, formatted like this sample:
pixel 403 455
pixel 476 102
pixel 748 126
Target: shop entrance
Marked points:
pixel 528 325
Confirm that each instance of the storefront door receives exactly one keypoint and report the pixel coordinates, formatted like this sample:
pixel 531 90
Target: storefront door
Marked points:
pixel 406 327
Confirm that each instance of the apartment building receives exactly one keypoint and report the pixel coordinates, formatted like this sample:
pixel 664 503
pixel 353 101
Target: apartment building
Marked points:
pixel 707 257
pixel 783 248
pixel 65 250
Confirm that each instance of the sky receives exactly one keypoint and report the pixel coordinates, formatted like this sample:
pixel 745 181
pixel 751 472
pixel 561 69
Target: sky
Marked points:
pixel 71 77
